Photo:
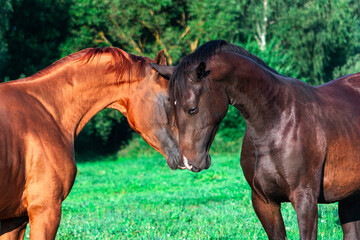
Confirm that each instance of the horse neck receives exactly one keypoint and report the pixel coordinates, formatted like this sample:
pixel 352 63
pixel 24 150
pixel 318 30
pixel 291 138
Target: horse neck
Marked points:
pixel 74 92
pixel 259 94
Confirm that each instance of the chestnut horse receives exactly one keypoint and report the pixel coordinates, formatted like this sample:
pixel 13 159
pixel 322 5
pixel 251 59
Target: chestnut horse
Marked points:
pixel 301 143
pixel 40 116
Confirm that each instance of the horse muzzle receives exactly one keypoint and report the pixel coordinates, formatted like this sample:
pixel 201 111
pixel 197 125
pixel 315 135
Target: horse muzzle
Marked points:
pixel 173 161
pixel 196 167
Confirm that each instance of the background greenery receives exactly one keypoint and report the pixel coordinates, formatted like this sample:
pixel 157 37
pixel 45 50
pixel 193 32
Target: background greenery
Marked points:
pixel 127 196
pixel 315 41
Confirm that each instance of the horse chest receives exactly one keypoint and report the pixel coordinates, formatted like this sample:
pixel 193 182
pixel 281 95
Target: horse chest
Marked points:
pixel 263 168
pixel 268 179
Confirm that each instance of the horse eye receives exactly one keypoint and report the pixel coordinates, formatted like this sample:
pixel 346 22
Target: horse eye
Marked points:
pixel 193 110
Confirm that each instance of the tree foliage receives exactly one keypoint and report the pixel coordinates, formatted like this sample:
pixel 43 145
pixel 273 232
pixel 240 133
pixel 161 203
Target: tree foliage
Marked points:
pixel 37 27
pixel 5 10
pixel 311 40
pixel 320 35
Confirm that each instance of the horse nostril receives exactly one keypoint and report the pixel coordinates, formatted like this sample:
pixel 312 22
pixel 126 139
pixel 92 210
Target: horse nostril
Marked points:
pixel 173 161
pixel 208 162
pixel 195 169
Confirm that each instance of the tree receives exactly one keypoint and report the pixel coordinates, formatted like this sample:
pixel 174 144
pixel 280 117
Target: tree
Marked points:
pixel 5 11
pixel 36 29
pixel 310 40
pixel 351 66
pixel 319 35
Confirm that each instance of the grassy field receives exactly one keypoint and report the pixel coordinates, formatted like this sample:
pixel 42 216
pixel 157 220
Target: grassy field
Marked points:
pixel 129 198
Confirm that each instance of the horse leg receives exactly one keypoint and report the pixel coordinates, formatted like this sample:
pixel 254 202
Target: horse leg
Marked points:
pixel 44 221
pixel 349 214
pixel 305 204
pixel 270 217
pixel 13 228
pixel 44 210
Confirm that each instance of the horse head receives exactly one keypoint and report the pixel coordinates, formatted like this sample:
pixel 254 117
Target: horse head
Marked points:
pixel 199 108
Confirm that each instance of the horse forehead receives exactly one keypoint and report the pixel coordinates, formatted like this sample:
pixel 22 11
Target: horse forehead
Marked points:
pixel 186 94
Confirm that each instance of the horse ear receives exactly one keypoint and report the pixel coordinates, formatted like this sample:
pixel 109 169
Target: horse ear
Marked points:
pixel 165 71
pixel 200 71
pixel 160 58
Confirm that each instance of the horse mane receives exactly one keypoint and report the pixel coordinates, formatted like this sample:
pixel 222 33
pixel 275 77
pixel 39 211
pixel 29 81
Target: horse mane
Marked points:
pixel 203 54
pixel 120 64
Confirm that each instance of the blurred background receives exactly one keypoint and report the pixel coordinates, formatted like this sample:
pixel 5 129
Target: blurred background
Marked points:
pixel 315 41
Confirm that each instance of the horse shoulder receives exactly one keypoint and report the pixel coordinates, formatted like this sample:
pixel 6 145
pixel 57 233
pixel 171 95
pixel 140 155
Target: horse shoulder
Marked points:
pixel 291 155
pixel 35 155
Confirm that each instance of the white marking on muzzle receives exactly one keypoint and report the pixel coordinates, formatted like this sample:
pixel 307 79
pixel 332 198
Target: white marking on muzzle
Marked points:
pixel 186 163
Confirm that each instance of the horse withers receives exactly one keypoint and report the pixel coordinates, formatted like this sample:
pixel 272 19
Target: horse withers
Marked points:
pixel 40 116
pixel 301 142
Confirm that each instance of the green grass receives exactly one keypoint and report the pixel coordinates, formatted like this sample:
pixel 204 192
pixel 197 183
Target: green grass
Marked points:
pixel 141 198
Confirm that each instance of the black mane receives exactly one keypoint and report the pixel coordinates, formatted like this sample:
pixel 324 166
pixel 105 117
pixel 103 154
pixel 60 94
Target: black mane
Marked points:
pixel 203 54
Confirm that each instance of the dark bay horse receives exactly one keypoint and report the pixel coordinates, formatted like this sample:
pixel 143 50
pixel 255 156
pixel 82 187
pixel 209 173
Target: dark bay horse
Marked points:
pixel 40 116
pixel 302 143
